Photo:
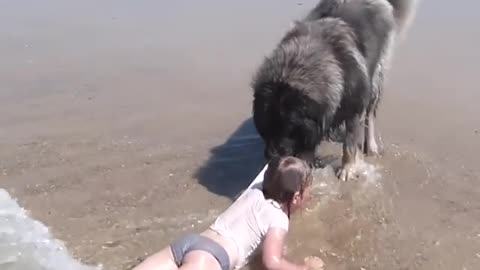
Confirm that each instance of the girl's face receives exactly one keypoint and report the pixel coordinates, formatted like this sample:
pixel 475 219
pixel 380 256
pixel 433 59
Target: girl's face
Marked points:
pixel 300 200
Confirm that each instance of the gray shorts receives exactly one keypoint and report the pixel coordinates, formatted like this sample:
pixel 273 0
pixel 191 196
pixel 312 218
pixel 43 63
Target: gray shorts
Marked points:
pixel 191 242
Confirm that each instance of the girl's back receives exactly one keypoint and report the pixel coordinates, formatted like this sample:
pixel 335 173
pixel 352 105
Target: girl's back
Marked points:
pixel 248 219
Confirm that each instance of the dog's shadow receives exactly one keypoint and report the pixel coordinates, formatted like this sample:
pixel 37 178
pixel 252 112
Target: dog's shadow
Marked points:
pixel 234 164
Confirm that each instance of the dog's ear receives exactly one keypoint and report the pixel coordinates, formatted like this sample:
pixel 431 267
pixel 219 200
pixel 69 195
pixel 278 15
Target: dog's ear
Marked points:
pixel 312 134
pixel 261 110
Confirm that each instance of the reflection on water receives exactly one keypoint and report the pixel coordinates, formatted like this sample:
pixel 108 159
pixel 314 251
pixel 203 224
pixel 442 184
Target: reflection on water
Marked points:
pixel 26 244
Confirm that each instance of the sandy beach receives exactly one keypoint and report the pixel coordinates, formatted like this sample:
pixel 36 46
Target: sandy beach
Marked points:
pixel 125 124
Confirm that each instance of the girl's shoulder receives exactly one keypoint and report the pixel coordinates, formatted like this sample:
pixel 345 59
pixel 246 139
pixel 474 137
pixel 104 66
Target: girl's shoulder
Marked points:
pixel 277 218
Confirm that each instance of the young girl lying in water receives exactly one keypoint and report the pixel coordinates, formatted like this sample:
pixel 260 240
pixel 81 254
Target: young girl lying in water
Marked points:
pixel 260 216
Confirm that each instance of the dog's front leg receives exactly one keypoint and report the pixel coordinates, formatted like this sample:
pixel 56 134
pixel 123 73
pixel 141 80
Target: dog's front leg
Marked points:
pixel 352 147
pixel 371 147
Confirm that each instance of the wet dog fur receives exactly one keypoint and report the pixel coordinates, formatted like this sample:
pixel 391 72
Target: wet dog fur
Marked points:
pixel 329 71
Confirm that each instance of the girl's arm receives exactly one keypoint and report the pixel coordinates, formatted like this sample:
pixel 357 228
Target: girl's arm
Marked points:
pixel 272 251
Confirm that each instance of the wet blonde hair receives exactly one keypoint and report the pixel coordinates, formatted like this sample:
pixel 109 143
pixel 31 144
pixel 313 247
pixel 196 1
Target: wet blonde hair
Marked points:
pixel 284 177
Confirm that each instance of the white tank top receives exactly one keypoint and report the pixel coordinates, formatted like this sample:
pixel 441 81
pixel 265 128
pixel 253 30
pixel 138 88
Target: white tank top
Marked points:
pixel 247 221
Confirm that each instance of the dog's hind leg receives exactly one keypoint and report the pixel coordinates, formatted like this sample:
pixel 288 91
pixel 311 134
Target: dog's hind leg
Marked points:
pixel 371 146
pixel 352 147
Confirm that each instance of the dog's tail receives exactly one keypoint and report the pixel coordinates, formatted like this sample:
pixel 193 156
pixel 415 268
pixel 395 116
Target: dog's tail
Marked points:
pixel 404 12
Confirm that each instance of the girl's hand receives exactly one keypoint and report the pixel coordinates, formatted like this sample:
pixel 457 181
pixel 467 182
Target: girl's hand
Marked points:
pixel 314 263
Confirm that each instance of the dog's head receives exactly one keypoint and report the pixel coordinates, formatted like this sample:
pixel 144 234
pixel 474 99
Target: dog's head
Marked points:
pixel 283 118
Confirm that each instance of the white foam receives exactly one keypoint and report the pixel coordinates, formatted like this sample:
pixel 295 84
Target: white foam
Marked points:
pixel 370 173
pixel 26 244
pixel 328 187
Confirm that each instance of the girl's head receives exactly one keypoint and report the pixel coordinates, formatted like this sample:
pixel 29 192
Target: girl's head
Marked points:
pixel 287 181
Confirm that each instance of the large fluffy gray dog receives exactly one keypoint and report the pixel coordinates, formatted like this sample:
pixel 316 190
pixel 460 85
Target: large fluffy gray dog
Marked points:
pixel 329 70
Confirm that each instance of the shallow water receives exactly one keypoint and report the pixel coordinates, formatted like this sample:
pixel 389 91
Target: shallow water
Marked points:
pixel 392 217
pixel 123 125
pixel 28 244
pixel 343 222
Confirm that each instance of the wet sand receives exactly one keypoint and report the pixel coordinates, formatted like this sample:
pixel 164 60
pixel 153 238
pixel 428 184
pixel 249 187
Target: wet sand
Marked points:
pixel 123 125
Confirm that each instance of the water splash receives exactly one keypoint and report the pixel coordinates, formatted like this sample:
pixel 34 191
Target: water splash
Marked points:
pixel 26 244
pixel 327 185
pixel 344 221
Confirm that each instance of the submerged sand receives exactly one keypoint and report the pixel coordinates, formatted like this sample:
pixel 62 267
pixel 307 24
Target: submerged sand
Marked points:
pixel 124 125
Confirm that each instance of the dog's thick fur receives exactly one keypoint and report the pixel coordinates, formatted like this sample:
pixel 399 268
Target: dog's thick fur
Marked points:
pixel 328 70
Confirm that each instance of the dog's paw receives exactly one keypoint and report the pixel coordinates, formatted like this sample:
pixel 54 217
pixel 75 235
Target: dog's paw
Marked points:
pixel 373 149
pixel 347 173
